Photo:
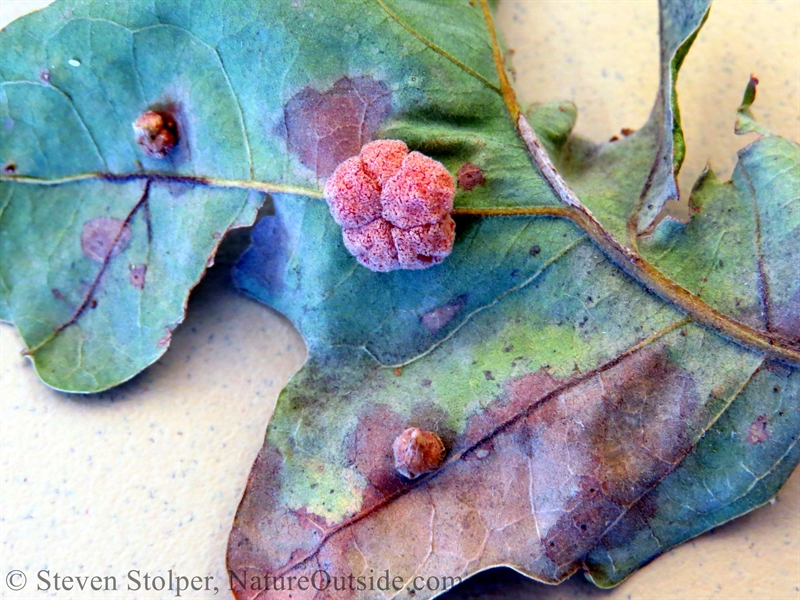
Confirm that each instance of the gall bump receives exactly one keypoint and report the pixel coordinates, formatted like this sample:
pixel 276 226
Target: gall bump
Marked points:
pixel 156 133
pixel 417 452
pixel 394 207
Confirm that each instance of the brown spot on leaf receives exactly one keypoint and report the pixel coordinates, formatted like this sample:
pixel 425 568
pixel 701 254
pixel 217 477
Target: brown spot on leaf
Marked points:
pixel 470 176
pixel 758 431
pixel 156 133
pixel 634 521
pixel 137 274
pixel 57 294
pixel 104 238
pixel 521 394
pixel 625 430
pixel 325 128
pixel 261 510
pixel 93 304
pixel 45 76
pixel 10 168
pixel 626 131
pixel 440 317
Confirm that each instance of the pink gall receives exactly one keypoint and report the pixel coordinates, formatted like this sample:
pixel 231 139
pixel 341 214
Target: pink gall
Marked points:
pixel 426 245
pixel 383 158
pixel 394 207
pixel 353 196
pixel 373 245
pixel 420 193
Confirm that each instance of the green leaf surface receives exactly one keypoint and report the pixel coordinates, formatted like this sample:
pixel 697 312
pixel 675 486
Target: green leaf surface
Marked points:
pixel 588 422
pixel 243 90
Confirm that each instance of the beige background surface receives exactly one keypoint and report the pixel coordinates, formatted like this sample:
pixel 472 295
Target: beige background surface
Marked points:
pixel 148 476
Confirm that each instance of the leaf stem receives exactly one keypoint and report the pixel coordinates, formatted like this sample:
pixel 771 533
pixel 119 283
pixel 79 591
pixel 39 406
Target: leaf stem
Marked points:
pixel 773 346
pixel 506 90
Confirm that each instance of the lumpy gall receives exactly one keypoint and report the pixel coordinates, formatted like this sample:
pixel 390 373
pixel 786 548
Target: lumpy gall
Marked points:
pixel 417 452
pixel 156 133
pixel 358 195
pixel 394 207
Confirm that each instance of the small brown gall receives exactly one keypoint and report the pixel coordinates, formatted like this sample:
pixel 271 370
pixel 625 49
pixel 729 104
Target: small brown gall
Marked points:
pixel 417 452
pixel 156 133
pixel 470 176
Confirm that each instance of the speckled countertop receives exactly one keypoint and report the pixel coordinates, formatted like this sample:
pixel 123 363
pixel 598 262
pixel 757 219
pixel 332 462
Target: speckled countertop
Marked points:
pixel 148 476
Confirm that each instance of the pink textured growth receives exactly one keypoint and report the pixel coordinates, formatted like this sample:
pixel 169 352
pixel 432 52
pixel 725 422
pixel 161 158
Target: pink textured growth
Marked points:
pixel 353 196
pixel 373 245
pixel 383 158
pixel 420 192
pixel 394 207
pixel 426 245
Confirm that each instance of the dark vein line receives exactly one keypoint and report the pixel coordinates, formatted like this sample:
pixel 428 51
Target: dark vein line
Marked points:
pixel 103 267
pixel 436 48
pixel 763 284
pixel 502 427
pixel 149 223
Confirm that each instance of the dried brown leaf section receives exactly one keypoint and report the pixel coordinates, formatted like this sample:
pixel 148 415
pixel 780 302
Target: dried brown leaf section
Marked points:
pixel 325 128
pixel 536 480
